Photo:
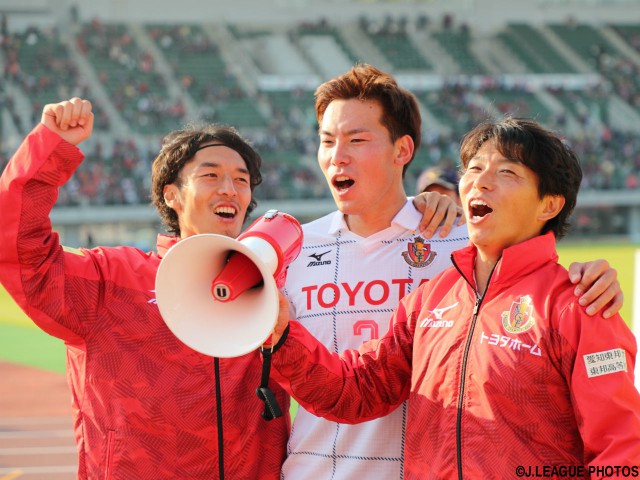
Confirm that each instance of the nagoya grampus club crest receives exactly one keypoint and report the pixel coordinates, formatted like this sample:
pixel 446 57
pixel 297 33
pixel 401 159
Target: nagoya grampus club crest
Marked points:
pixel 518 319
pixel 418 253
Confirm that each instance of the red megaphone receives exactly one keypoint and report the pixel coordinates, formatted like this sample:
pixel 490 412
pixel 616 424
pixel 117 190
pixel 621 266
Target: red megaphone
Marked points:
pixel 276 238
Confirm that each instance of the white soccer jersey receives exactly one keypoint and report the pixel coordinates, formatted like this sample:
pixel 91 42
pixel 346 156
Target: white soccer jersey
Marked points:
pixel 344 289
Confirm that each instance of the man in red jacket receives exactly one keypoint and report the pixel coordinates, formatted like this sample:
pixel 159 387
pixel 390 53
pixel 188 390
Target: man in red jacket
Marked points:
pixel 505 373
pixel 145 405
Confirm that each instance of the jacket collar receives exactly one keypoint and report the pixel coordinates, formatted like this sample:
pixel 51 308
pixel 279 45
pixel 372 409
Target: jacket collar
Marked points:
pixel 516 261
pixel 165 242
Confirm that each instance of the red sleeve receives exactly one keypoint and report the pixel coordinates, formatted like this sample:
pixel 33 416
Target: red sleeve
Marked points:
pixel 355 386
pixel 32 261
pixel 601 380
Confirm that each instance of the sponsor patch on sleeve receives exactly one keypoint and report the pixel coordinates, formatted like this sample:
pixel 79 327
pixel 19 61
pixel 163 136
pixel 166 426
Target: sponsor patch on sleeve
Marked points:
pixel 604 363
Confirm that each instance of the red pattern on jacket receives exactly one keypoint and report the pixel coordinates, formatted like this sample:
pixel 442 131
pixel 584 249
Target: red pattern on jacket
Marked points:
pixel 144 404
pixel 483 400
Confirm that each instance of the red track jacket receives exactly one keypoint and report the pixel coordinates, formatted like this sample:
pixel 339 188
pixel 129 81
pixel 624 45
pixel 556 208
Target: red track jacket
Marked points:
pixel 522 378
pixel 145 405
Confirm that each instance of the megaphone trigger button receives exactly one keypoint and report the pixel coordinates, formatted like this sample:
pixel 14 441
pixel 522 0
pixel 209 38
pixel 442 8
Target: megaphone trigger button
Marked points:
pixel 270 214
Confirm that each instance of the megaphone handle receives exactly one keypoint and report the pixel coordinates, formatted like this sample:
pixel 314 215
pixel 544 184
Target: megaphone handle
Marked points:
pixel 271 408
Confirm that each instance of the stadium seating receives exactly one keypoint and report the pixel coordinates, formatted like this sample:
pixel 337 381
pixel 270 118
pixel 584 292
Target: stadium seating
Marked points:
pixel 155 78
pixel 532 48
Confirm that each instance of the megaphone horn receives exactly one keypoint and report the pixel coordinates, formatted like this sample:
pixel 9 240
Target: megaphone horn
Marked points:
pixel 237 276
pixel 218 295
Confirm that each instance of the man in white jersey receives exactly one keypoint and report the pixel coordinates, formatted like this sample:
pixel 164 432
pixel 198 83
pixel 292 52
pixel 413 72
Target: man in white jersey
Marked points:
pixel 356 263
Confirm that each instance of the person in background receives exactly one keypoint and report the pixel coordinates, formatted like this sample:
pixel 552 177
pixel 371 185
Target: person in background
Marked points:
pixel 436 179
pixel 504 372
pixel 359 261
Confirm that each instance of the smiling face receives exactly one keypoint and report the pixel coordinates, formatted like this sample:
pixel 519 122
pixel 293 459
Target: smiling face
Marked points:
pixel 501 201
pixel 212 193
pixel 363 167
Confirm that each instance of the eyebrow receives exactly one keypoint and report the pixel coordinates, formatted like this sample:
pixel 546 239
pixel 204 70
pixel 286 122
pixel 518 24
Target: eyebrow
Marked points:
pixel 501 162
pixel 217 165
pixel 503 159
pixel 350 132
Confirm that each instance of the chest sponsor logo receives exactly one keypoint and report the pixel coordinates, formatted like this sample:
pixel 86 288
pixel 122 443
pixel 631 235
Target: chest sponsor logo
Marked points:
pixel 435 318
pixel 373 293
pixel 509 343
pixel 317 259
pixel 419 253
pixel 519 317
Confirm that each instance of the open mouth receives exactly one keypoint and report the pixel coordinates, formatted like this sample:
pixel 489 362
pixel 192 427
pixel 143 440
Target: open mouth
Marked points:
pixel 225 212
pixel 478 209
pixel 342 182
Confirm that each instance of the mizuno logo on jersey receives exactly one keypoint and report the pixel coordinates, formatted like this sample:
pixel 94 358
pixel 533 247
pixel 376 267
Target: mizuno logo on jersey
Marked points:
pixel 317 259
pixel 419 254
pixel 435 318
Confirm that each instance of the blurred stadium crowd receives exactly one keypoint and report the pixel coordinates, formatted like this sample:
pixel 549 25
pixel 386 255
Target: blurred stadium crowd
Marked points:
pixel 145 80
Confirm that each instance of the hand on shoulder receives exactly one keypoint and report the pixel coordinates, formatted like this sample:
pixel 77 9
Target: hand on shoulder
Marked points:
pixel 438 210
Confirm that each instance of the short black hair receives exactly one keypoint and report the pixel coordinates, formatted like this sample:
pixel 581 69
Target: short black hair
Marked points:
pixel 180 146
pixel 525 141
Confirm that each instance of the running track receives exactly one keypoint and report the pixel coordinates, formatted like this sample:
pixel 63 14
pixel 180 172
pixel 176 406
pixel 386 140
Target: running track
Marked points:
pixel 36 436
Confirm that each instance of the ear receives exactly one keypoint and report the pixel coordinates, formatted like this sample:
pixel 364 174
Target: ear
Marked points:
pixel 171 196
pixel 551 207
pixel 404 150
